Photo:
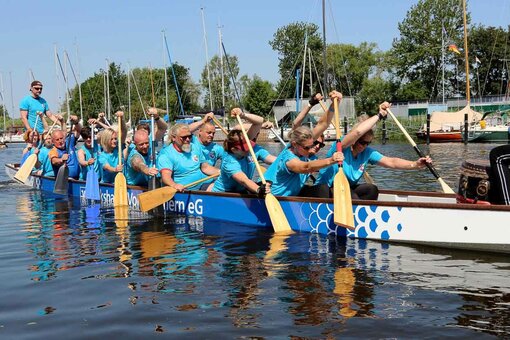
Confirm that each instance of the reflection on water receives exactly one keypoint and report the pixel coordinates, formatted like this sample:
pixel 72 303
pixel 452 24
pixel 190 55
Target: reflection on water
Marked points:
pixel 83 268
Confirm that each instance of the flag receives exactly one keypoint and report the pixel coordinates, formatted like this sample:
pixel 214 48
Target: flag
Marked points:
pixel 477 60
pixel 453 48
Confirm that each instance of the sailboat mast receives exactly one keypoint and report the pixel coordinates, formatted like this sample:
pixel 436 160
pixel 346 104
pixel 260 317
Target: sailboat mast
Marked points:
pixel 166 75
pixel 468 87
pixel 207 60
pixel 222 76
pixel 324 45
pixel 3 100
pixel 108 103
pixel 12 99
pixel 442 57
pixel 59 99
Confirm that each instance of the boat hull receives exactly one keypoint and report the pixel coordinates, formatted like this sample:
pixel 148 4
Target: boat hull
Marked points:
pixel 501 135
pixel 410 217
pixel 441 137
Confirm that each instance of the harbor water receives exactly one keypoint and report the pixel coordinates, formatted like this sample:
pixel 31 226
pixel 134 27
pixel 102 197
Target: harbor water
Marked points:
pixel 70 271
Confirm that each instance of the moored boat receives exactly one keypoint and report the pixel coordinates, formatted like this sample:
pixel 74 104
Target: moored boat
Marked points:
pixel 410 217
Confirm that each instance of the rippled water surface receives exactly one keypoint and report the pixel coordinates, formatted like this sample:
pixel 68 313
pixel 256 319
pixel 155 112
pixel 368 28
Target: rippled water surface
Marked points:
pixel 70 271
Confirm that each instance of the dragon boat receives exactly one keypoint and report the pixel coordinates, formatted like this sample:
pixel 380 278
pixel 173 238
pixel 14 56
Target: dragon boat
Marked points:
pixel 428 218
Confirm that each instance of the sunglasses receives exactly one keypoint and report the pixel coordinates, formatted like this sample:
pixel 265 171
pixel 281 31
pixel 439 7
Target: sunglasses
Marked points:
pixel 185 137
pixel 307 148
pixel 364 142
pixel 320 144
pixel 37 88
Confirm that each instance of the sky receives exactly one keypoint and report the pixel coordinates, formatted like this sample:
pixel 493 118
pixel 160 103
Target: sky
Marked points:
pixel 128 32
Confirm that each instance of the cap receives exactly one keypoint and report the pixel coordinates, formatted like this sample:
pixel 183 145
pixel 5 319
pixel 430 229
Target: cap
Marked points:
pixel 35 82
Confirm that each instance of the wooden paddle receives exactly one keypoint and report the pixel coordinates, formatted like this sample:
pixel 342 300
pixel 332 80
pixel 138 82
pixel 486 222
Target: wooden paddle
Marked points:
pixel 92 181
pixel 446 188
pixel 26 168
pixel 154 198
pixel 217 122
pixel 62 179
pixel 366 175
pixel 120 187
pixel 342 203
pixel 276 214
pixel 152 179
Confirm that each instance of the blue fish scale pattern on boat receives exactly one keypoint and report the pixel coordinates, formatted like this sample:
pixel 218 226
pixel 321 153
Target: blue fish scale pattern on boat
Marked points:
pixel 371 222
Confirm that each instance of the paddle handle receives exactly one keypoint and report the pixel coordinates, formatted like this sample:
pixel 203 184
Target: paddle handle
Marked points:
pixel 257 165
pixel 201 180
pixel 119 139
pixel 337 129
pixel 217 122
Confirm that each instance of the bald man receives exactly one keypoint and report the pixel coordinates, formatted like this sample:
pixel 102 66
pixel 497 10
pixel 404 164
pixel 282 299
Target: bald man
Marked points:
pixel 138 170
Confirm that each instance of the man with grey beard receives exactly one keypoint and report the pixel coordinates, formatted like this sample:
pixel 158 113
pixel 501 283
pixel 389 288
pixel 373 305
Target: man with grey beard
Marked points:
pixel 179 163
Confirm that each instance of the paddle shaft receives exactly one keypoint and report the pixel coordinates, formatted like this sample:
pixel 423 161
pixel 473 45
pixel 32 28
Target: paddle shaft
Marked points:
pixel 278 137
pixel 217 122
pixel 252 153
pixel 413 144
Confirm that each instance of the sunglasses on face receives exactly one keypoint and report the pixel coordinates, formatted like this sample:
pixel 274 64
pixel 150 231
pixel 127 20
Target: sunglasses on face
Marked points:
pixel 320 144
pixel 364 142
pixel 185 137
pixel 37 88
pixel 307 148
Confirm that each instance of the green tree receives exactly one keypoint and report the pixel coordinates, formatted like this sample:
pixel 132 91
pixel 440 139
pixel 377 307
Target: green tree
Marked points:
pixel 259 96
pixel 349 66
pixel 490 45
pixel 289 42
pixel 417 53
pixel 374 91
pixel 215 68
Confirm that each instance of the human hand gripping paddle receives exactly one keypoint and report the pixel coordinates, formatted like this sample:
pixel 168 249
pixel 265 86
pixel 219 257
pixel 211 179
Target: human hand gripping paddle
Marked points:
pixel 446 188
pixel 26 169
pixel 274 209
pixel 342 203
pixel 92 181
pixel 62 178
pixel 154 198
pixel 120 198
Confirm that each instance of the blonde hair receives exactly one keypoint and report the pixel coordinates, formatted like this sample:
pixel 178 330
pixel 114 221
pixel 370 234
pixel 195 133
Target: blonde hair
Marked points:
pixel 361 118
pixel 106 137
pixel 300 134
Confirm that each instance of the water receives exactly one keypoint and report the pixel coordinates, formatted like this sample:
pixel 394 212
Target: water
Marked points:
pixel 71 272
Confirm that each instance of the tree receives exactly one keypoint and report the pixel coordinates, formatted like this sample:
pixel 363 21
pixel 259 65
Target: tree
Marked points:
pixel 417 53
pixel 215 68
pixel 373 92
pixel 490 45
pixel 349 66
pixel 259 96
pixel 289 42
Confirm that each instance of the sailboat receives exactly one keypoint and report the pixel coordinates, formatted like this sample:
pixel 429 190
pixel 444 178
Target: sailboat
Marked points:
pixel 449 126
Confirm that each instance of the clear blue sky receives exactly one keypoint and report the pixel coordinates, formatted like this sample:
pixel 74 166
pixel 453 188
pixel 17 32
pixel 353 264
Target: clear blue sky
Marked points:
pixel 129 31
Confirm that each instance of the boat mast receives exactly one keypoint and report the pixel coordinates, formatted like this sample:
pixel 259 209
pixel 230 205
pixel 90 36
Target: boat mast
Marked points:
pixel 57 77
pixel 468 95
pixel 3 101
pixel 442 55
pixel 129 92
pixel 304 65
pixel 108 102
pixel 324 45
pixel 12 98
pixel 77 82
pixel 166 75
pixel 222 76
pixel 207 60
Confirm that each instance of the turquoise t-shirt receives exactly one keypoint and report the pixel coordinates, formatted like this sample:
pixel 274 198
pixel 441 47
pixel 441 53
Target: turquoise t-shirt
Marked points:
pixel 47 168
pixel 32 105
pixel 112 159
pixel 185 166
pixel 231 165
pixel 286 182
pixel 88 155
pixel 353 167
pixel 212 152
pixel 134 177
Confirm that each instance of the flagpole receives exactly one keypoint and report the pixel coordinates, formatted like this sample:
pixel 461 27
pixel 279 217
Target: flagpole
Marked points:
pixel 442 55
pixel 468 87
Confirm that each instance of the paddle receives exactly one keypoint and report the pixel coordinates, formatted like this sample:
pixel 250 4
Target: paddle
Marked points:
pixel 366 175
pixel 152 180
pixel 276 214
pixel 151 199
pixel 342 204
pixel 444 186
pixel 62 180
pixel 120 187
pixel 26 168
pixel 92 181
pixel 216 121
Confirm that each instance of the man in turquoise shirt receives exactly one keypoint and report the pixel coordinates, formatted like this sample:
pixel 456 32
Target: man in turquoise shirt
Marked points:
pixel 32 104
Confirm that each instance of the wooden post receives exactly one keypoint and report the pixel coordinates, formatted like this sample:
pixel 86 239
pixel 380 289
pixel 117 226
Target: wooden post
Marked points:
pixel 465 128
pixel 428 128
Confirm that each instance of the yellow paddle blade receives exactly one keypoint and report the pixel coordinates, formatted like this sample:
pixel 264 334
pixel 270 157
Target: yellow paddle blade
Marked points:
pixel 26 169
pixel 276 214
pixel 121 216
pixel 342 203
pixel 151 199
pixel 120 191
pixel 446 188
